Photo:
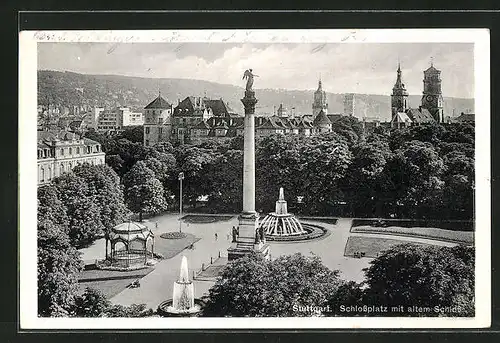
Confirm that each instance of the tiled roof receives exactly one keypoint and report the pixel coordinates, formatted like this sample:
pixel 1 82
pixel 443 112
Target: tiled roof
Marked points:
pixel 158 103
pixel 420 115
pixel 431 69
pixel 202 125
pixel 321 119
pixel 334 117
pixel 465 117
pixel 219 108
pixel 401 118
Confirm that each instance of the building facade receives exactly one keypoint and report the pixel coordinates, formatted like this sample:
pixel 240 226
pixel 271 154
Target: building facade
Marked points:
pixel 157 121
pixel 320 103
pixel 349 104
pixel 403 115
pixel 61 151
pixel 432 97
pixel 399 96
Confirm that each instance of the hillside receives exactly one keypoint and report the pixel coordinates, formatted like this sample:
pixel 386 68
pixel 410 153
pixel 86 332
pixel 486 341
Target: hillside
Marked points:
pixel 67 89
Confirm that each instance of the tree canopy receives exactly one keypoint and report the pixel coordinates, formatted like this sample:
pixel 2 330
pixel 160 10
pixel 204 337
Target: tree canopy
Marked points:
pixel 254 287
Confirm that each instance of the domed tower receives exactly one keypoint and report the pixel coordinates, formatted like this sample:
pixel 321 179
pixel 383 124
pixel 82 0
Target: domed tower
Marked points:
pixel 432 98
pixel 157 121
pixel 320 103
pixel 399 96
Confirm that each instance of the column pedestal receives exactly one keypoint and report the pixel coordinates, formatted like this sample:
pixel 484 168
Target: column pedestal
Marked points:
pixel 245 243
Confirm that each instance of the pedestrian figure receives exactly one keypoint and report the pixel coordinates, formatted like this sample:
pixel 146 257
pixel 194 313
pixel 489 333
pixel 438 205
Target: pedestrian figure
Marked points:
pixel 216 236
pixel 156 225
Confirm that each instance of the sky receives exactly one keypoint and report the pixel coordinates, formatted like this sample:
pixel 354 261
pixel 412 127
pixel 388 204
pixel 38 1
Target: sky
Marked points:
pixel 368 68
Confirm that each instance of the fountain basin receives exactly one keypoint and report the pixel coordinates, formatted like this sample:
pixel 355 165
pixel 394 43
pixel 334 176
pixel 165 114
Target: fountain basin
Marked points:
pixel 166 309
pixel 311 232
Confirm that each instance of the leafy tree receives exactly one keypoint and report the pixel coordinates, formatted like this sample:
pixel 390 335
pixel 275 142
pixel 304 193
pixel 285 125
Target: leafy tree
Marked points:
pixel 412 275
pixel 58 261
pixel 165 147
pixel 416 171
pixel 93 303
pixel 51 208
pixel 104 186
pixel 82 209
pixel 349 127
pixel 278 164
pixel 135 134
pixel 143 191
pixel 325 160
pixel 366 185
pixel 193 162
pixel 115 162
pixel 254 287
pixel 348 294
pixel 226 174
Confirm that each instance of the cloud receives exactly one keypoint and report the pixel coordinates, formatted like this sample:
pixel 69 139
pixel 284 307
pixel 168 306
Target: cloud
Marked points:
pixel 362 68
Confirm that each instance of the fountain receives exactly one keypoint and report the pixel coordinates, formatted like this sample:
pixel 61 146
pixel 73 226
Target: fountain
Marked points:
pixel 183 303
pixel 283 226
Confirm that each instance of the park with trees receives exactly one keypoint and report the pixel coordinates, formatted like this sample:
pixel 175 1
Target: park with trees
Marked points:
pixel 421 172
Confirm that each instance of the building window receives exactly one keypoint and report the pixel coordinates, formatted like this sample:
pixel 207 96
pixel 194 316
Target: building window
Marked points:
pixel 50 173
pixel 43 175
pixel 61 170
pixel 160 130
pixel 77 150
pixel 147 131
pixel 70 151
pixel 147 142
pixel 62 151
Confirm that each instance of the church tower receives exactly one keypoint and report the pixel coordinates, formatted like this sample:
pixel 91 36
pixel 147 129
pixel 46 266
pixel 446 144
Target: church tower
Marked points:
pixel 432 98
pixel 399 96
pixel 320 103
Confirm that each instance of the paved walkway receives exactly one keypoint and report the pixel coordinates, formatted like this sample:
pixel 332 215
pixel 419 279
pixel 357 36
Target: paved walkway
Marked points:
pixel 158 285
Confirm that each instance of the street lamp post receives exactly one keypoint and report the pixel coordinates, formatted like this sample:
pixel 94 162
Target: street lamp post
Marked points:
pixel 181 177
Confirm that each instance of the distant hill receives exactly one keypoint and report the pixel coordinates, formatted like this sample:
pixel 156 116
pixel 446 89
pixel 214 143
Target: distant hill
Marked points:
pixel 68 89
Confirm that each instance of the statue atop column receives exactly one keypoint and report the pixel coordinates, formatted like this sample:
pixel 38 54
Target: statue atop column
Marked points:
pixel 249 75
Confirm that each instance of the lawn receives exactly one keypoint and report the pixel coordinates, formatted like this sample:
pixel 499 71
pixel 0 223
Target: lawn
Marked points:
pixel 168 248
pixel 205 218
pixel 110 282
pixel 466 237
pixel 371 246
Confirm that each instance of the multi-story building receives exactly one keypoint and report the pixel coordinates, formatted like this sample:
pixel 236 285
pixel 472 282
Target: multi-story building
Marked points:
pixel 157 121
pixel 320 102
pixel 402 114
pixel 61 151
pixel 432 97
pixel 349 102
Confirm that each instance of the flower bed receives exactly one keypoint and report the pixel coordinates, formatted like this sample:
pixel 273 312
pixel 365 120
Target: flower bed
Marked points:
pixel 205 219
pixel 466 237
pixel 173 235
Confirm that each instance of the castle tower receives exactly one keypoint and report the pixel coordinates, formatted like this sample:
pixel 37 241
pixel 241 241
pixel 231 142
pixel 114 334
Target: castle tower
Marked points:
pixel 432 98
pixel 157 121
pixel 399 96
pixel 320 102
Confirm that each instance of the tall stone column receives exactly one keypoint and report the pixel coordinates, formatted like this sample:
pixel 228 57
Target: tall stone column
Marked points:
pixel 248 237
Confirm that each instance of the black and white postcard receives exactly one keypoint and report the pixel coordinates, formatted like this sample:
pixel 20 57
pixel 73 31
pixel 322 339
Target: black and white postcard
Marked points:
pixel 255 179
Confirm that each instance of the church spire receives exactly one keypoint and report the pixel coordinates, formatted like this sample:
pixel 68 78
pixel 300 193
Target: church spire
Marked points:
pixel 320 85
pixel 399 81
